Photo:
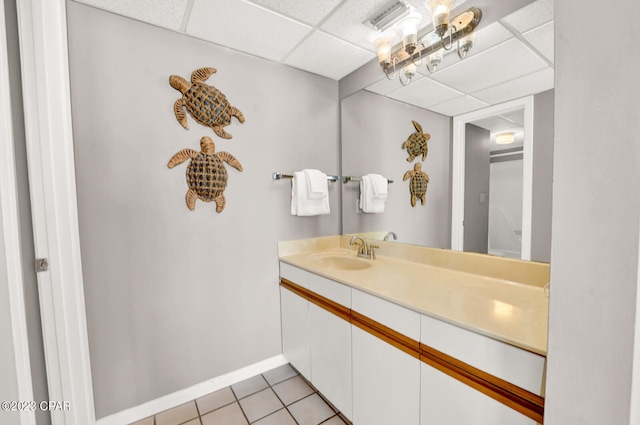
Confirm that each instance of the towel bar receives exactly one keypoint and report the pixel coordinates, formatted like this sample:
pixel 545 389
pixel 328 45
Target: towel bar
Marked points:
pixel 278 176
pixel 347 179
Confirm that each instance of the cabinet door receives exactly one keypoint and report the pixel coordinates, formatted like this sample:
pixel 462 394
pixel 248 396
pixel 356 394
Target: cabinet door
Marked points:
pixel 447 401
pixel 386 382
pixel 331 358
pixel 294 312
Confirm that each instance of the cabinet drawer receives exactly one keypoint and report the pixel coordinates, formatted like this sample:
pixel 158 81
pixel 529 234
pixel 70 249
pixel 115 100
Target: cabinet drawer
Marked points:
pixel 514 365
pixel 334 291
pixel 294 274
pixel 400 319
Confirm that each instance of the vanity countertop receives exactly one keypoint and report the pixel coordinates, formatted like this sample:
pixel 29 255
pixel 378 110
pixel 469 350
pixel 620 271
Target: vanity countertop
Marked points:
pixel 497 297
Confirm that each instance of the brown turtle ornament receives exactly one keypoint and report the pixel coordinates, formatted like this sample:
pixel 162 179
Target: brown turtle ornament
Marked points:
pixel 416 144
pixel 417 184
pixel 206 104
pixel 206 174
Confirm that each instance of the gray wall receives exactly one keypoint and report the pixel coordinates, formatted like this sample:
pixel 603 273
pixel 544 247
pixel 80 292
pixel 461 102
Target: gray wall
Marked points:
pixel 542 176
pixel 175 297
pixel 596 205
pixel 373 131
pixel 32 306
pixel 477 172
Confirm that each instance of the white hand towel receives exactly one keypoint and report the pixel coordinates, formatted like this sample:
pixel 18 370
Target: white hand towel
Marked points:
pixel 301 205
pixel 370 200
pixel 317 183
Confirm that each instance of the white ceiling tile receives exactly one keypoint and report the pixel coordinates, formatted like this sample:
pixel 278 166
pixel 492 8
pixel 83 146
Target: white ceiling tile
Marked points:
pixel 485 38
pixel 164 13
pixel 531 16
pixel 494 124
pixel 424 93
pixel 504 62
pixel 328 56
pixel 536 82
pixel 384 86
pixel 541 39
pixel 309 12
pixel 457 106
pixel 245 27
pixel 516 117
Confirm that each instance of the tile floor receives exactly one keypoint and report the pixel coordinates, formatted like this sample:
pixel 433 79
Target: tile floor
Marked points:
pixel 277 397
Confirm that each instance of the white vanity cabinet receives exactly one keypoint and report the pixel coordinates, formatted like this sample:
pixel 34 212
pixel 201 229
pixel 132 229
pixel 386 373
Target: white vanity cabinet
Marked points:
pixel 448 401
pixel 295 321
pixel 331 343
pixel 386 380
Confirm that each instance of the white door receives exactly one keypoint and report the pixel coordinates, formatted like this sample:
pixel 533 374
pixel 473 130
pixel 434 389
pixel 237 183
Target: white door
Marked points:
pixel 45 78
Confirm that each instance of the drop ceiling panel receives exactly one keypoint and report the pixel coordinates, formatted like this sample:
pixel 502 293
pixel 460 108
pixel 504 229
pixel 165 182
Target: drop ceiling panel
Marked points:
pixel 485 38
pixel 245 27
pixel 541 38
pixel 328 56
pixel 385 86
pixel 504 62
pixel 459 105
pixel 536 82
pixel 494 124
pixel 517 117
pixel 531 16
pixel 308 12
pixel 424 93
pixel 164 13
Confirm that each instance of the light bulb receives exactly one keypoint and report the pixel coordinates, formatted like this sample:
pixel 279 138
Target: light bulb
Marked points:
pixel 439 10
pixel 408 29
pixel 383 47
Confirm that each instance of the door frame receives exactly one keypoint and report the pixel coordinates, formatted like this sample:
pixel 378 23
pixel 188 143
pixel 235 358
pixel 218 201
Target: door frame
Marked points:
pixel 10 240
pixel 458 170
pixel 42 31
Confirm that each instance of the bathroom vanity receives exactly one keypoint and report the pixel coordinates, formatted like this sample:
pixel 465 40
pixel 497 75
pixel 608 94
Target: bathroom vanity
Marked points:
pixel 417 335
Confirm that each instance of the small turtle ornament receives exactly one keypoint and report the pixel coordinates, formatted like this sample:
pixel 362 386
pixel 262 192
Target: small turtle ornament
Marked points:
pixel 416 144
pixel 206 174
pixel 206 104
pixel 417 184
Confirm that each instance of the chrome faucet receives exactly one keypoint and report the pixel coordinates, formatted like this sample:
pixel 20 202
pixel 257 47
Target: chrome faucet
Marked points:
pixel 364 250
pixel 393 234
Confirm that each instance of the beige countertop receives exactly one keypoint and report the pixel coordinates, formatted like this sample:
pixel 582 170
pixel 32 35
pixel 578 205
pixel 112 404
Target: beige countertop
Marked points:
pixel 497 297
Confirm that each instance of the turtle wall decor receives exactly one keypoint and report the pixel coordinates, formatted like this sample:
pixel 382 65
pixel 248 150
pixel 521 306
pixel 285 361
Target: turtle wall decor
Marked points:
pixel 417 184
pixel 206 174
pixel 206 104
pixel 416 144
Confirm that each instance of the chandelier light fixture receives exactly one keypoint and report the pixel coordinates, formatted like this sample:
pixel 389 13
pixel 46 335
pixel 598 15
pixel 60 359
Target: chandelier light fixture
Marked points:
pixel 402 61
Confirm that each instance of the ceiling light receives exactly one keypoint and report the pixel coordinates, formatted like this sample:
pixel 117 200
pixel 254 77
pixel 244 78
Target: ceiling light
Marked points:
pixel 413 50
pixel 505 138
pixel 439 10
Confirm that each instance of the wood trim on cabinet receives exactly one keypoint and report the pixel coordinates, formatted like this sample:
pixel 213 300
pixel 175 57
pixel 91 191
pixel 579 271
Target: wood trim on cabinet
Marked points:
pixel 513 396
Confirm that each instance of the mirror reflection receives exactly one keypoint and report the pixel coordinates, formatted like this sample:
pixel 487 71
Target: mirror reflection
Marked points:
pixel 512 58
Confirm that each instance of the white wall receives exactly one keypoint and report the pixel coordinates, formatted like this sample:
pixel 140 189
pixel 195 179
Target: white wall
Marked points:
pixel 175 297
pixel 373 131
pixel 596 205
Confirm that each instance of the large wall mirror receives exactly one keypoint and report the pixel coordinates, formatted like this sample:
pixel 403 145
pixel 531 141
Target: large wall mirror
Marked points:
pixel 504 86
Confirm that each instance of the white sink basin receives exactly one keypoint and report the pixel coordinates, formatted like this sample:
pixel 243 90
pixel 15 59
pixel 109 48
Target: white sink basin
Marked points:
pixel 342 262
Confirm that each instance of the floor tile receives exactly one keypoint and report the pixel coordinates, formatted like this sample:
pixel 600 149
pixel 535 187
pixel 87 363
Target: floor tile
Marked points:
pixel 249 386
pixel 311 410
pixel 281 417
pixel 279 374
pixel 334 421
pixel 215 400
pixel 227 415
pixel 292 390
pixel 260 404
pixel 177 415
pixel 145 421
pixel 195 421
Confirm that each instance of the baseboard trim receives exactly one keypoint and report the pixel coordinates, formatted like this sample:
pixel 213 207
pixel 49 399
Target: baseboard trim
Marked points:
pixel 177 398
